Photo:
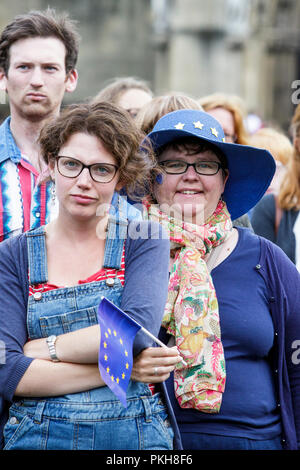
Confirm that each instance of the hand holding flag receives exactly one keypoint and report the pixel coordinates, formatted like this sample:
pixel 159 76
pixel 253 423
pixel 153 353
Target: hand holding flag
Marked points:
pixel 115 361
pixel 118 331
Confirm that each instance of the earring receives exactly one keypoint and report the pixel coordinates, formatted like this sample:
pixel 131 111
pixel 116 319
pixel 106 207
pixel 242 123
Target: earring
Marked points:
pixel 53 192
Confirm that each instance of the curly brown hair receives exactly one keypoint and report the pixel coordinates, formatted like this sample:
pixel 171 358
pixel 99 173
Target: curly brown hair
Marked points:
pixel 116 131
pixel 41 24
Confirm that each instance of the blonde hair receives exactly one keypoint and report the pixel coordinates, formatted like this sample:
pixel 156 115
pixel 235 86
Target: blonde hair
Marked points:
pixel 289 193
pixel 276 142
pixel 151 112
pixel 118 86
pixel 234 105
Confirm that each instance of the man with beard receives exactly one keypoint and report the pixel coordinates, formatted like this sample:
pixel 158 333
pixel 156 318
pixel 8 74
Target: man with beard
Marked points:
pixel 38 54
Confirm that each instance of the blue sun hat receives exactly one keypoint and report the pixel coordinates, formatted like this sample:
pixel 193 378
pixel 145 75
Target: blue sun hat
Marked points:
pixel 250 169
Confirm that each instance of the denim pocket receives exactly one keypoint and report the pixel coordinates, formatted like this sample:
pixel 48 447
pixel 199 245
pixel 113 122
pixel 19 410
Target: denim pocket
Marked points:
pixel 21 432
pixel 156 434
pixel 17 426
pixel 67 322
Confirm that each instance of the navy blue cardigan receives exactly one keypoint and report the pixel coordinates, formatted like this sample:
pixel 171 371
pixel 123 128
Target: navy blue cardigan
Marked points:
pixel 283 287
pixel 283 281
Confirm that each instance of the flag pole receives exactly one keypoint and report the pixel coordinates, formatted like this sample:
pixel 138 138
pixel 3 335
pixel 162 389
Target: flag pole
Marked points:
pixel 160 343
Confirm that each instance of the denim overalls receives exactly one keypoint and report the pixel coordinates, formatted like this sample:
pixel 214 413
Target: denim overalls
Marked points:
pixel 94 419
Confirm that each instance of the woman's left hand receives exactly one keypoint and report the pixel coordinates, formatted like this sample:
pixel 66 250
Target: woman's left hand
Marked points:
pixel 37 348
pixel 154 365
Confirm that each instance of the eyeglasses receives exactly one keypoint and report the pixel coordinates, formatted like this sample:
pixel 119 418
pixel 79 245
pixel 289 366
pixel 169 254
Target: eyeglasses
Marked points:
pixel 230 137
pixel 100 172
pixel 178 167
pixel 133 112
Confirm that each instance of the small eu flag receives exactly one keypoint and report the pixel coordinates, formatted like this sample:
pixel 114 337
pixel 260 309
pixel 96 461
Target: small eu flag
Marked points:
pixel 115 359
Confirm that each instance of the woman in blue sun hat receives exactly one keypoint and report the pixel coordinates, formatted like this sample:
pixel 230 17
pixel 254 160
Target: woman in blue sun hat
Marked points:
pixel 234 299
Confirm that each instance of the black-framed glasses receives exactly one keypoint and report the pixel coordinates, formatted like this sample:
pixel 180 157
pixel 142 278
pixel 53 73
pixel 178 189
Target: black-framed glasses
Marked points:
pixel 100 172
pixel 178 167
pixel 230 138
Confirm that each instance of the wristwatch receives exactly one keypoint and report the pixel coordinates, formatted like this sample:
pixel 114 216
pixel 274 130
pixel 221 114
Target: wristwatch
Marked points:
pixel 52 350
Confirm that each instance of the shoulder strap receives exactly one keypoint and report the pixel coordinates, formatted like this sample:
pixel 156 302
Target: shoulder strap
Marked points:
pixel 37 256
pixel 116 234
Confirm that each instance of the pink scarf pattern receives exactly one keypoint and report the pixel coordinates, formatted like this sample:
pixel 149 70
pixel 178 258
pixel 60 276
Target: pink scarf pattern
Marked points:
pixel 191 312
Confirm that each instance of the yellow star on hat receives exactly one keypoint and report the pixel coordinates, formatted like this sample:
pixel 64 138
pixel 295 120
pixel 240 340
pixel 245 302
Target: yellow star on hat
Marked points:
pixel 179 126
pixel 198 125
pixel 214 131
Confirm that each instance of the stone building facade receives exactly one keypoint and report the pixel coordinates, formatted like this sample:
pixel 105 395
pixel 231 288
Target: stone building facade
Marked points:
pixel 246 47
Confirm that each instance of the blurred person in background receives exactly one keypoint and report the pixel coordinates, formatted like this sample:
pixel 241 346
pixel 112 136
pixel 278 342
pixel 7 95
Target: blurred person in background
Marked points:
pixel 276 216
pixel 229 111
pixel 152 111
pixel 280 147
pixel 128 92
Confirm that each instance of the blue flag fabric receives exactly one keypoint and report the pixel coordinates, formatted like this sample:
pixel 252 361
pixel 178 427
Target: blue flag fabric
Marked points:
pixel 115 359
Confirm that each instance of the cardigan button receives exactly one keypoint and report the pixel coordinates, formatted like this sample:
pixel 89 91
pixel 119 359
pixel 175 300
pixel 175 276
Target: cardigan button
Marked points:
pixel 258 266
pixel 272 299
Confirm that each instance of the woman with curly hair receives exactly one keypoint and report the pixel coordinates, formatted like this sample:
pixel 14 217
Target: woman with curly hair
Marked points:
pixel 52 281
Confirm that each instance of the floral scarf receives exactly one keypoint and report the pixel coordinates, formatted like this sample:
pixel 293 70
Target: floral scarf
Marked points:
pixel 191 313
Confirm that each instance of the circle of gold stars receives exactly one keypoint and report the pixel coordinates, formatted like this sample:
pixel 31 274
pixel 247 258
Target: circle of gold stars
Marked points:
pixel 199 125
pixel 107 335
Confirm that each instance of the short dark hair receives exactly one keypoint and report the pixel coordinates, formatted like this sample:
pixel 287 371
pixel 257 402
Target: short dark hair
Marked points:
pixel 41 24
pixel 116 131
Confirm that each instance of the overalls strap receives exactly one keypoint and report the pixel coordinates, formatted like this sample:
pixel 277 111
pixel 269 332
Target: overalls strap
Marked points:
pixel 37 256
pixel 116 236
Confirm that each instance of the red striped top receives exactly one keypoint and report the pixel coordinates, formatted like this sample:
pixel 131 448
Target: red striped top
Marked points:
pixel 100 275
